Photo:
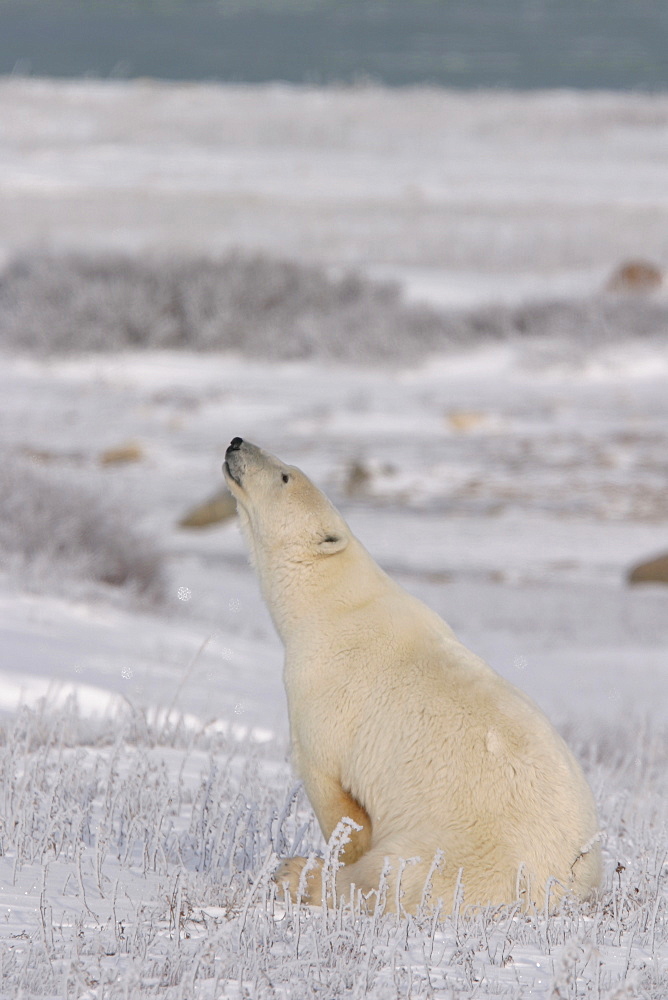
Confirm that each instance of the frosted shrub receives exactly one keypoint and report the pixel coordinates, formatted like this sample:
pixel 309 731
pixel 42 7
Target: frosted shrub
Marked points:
pixel 272 308
pixel 54 530
pixel 259 305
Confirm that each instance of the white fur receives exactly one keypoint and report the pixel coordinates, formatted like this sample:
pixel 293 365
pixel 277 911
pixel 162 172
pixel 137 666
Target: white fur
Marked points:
pixel 398 726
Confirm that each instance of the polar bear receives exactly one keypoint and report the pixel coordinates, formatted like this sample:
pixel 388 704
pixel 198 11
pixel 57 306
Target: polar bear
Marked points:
pixel 451 776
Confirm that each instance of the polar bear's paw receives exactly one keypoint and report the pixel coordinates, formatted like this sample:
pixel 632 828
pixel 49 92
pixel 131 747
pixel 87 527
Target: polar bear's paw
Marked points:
pixel 302 877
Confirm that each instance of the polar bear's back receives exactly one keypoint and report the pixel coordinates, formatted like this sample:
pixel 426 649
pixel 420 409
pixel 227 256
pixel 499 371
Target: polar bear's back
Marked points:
pixel 483 775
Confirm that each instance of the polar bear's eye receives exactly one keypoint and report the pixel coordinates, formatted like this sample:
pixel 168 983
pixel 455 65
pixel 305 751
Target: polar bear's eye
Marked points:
pixel 285 477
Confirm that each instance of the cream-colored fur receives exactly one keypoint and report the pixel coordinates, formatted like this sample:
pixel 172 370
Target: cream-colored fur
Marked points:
pixel 399 727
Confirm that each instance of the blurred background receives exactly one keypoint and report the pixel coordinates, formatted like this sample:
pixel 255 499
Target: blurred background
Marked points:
pixel 419 249
pixel 486 43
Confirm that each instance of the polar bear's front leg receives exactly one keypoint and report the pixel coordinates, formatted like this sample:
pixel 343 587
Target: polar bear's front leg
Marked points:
pixel 332 803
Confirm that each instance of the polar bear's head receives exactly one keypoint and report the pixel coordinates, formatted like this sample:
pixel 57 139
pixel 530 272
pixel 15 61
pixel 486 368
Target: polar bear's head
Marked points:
pixel 286 519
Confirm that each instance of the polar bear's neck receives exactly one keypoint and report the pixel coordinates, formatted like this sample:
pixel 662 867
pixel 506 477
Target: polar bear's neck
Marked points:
pixel 317 606
pixel 304 595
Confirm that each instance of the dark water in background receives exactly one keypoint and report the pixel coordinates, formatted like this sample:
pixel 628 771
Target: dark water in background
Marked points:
pixel 523 44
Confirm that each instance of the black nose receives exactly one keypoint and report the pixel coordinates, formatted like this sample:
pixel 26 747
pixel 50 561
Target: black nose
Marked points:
pixel 235 444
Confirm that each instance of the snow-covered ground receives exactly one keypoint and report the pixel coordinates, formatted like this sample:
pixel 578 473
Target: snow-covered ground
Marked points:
pixel 510 486
pixel 470 196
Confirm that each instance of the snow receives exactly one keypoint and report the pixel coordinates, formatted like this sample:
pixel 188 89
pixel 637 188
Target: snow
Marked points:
pixel 145 780
pixel 538 186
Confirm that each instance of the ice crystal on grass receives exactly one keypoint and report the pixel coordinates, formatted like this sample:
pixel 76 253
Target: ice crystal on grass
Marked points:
pixel 141 868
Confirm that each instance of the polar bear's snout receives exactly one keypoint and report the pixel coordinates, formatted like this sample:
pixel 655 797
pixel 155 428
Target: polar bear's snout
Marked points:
pixel 234 463
pixel 242 459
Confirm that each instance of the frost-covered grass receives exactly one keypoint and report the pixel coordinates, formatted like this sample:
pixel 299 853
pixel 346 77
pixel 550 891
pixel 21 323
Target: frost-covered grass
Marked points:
pixel 137 859
pixel 54 527
pixel 274 308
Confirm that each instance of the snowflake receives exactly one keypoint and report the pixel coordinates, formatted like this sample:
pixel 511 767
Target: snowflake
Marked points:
pixel 184 593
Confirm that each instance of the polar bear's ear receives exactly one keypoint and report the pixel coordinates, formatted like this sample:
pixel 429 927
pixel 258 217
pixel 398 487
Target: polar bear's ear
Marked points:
pixel 332 542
